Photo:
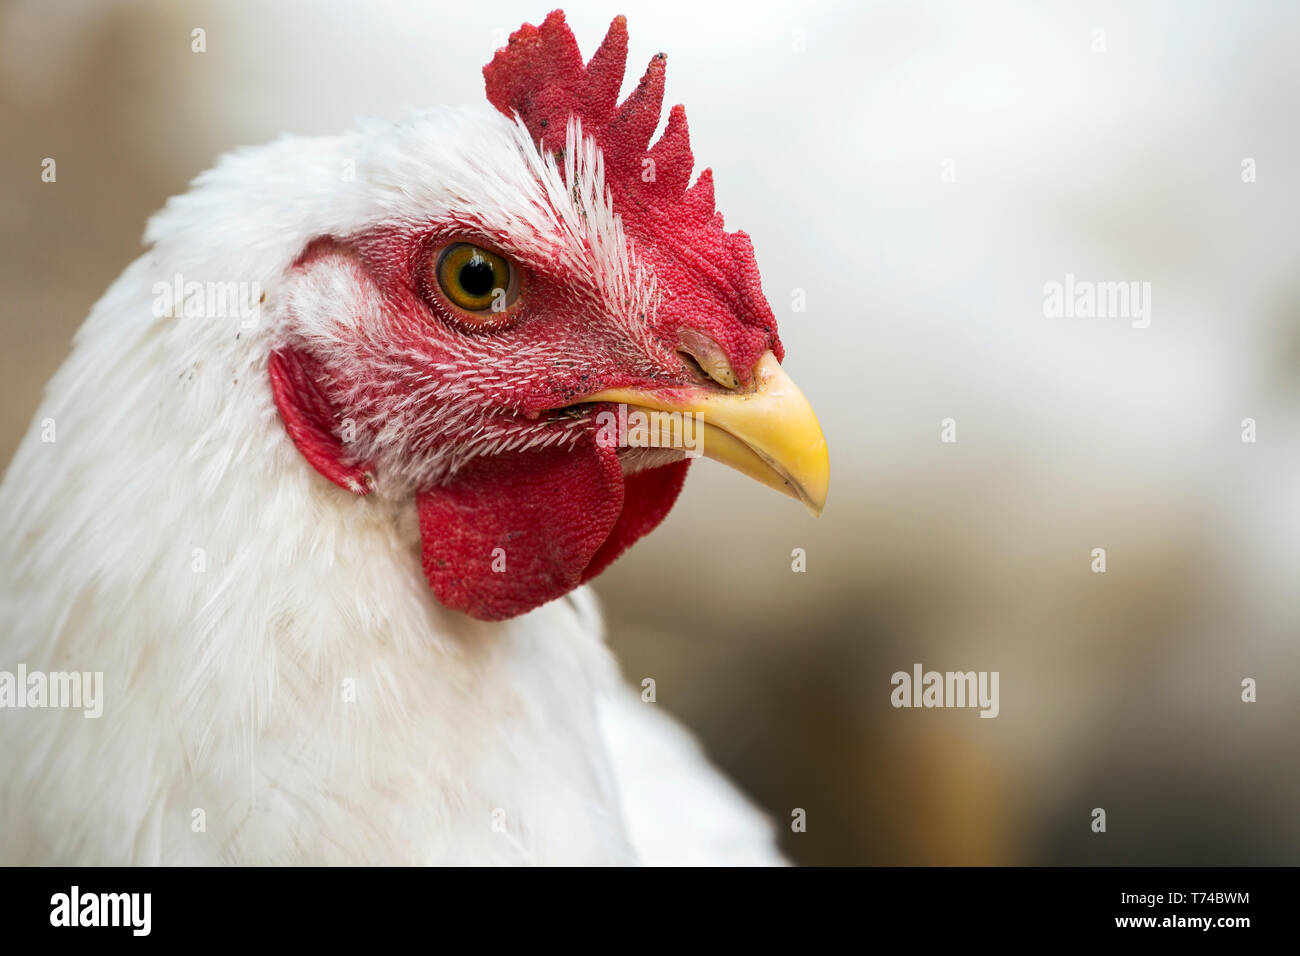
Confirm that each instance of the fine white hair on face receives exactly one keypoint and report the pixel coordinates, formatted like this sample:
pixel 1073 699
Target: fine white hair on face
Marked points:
pixel 561 214
pixel 464 164
pixel 432 421
pixel 497 178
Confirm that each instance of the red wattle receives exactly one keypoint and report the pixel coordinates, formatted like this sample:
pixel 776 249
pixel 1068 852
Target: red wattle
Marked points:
pixel 510 532
pixel 648 496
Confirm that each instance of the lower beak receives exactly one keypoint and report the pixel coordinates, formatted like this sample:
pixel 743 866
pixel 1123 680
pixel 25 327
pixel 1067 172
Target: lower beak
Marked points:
pixel 768 432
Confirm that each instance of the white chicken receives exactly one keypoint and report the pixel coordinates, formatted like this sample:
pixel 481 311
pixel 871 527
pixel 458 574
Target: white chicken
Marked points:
pixel 318 488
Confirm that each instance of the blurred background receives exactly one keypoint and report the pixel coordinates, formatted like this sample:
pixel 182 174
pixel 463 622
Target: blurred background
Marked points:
pixel 916 172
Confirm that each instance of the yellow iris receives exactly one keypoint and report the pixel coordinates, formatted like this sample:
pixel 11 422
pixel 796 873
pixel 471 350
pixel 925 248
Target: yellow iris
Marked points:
pixel 473 278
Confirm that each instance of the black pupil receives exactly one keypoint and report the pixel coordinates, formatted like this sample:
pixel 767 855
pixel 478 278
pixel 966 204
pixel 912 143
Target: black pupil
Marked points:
pixel 476 276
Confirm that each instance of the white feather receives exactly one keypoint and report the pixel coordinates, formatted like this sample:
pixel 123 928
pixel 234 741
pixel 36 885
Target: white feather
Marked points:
pixel 172 537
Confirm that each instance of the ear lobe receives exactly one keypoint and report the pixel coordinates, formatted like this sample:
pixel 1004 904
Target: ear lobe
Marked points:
pixel 298 387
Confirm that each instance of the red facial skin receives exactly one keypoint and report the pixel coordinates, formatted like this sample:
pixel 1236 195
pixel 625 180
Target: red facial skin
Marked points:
pixel 506 532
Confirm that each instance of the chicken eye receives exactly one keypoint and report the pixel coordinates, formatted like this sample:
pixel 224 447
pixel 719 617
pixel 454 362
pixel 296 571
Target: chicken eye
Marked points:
pixel 475 279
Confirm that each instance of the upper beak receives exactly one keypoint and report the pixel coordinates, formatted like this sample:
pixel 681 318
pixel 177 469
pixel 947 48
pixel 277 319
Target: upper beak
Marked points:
pixel 768 432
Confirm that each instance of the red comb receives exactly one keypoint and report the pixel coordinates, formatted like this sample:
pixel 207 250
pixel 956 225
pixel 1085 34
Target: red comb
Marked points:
pixel 540 75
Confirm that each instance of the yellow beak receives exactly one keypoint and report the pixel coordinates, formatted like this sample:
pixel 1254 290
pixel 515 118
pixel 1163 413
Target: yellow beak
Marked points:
pixel 768 432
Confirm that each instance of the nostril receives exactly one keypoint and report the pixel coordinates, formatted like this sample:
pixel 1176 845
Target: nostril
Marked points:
pixel 705 356
pixel 689 361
